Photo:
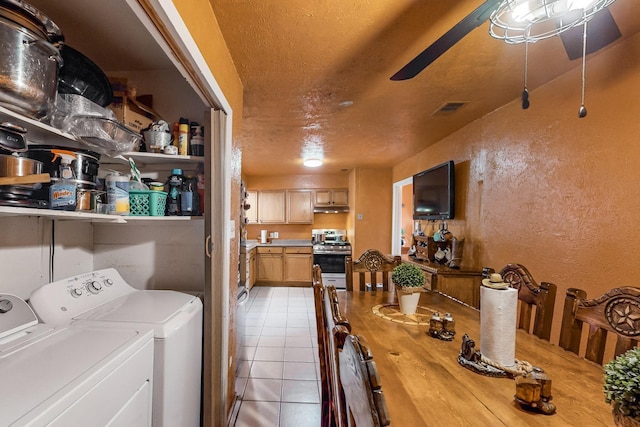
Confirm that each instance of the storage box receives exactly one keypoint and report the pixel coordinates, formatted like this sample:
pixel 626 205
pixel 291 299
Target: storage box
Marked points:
pixel 147 202
pixel 132 113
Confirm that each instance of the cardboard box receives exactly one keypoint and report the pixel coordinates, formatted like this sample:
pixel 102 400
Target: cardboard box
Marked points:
pixel 132 113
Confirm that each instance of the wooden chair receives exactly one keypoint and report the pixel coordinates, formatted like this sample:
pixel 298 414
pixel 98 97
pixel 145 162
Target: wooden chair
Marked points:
pixel 332 329
pixel 361 384
pixel 530 294
pixel 321 328
pixel 616 312
pixel 372 261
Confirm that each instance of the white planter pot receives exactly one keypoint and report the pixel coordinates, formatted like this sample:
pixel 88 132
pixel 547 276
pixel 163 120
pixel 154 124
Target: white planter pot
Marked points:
pixel 408 302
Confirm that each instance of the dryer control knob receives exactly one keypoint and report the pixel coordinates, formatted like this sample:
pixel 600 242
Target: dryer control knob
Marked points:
pixel 108 282
pixel 77 292
pixel 5 305
pixel 94 287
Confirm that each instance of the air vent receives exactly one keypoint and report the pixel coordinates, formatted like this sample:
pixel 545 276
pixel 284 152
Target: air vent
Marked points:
pixel 450 107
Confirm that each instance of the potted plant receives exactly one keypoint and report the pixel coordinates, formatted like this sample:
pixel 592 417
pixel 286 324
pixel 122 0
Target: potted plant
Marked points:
pixel 409 281
pixel 622 388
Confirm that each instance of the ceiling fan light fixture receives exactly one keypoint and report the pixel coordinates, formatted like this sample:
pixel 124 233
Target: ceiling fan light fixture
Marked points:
pixel 519 21
pixel 312 163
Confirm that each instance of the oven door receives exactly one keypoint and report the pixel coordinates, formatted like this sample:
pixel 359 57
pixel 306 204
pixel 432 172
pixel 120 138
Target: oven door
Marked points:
pixel 330 263
pixel 333 269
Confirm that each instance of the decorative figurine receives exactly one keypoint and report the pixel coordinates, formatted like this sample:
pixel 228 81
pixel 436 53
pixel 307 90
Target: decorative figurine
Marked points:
pixel 533 388
pixel 442 328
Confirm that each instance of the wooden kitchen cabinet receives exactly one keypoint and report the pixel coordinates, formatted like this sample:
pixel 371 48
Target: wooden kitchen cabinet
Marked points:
pixel 463 285
pixel 299 207
pixel 251 214
pixel 270 263
pixel 298 262
pixel 253 269
pixel 332 197
pixel 271 207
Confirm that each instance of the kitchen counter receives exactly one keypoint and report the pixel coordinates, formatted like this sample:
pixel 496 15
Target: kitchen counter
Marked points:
pixel 250 244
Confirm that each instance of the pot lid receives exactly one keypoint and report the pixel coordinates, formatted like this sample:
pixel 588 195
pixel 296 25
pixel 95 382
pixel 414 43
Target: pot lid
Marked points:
pixel 32 19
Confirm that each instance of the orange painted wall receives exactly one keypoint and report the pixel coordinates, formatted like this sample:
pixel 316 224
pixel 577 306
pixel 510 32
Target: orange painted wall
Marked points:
pixel 372 210
pixel 551 191
pixel 203 26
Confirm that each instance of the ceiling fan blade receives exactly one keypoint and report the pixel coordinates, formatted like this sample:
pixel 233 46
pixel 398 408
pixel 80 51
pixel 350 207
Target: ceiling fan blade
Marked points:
pixel 447 40
pixel 601 31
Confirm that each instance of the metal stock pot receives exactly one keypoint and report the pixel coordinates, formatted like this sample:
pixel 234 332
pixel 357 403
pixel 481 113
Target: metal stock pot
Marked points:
pixel 30 60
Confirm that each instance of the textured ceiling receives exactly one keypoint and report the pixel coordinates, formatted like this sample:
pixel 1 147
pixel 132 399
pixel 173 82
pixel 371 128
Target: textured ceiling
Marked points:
pixel 300 61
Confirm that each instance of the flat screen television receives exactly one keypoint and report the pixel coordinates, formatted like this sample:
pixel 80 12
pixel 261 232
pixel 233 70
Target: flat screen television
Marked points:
pixel 434 192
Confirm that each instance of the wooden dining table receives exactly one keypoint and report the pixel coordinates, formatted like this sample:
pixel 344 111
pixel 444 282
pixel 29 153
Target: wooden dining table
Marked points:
pixel 424 385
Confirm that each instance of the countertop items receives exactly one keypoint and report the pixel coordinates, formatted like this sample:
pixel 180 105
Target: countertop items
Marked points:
pixel 250 244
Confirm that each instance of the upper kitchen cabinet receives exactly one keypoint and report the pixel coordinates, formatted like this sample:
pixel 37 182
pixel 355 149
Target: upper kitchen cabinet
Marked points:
pixel 271 207
pixel 280 207
pixel 332 198
pixel 251 214
pixel 299 207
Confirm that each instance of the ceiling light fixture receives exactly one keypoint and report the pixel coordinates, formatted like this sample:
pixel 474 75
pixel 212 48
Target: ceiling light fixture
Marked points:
pixel 529 21
pixel 312 163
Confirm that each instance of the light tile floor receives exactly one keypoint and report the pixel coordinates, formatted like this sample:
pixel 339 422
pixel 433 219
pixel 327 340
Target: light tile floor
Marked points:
pixel 278 376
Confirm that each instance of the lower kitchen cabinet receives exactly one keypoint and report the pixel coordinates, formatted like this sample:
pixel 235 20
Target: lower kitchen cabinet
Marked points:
pixel 270 264
pixel 253 269
pixel 298 262
pixel 284 265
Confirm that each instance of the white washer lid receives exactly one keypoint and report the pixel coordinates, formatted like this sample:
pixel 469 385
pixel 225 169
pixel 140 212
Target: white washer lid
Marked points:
pixel 154 308
pixel 63 364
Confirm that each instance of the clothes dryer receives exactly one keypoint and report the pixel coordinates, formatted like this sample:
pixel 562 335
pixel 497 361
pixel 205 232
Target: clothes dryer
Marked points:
pixel 102 297
pixel 70 376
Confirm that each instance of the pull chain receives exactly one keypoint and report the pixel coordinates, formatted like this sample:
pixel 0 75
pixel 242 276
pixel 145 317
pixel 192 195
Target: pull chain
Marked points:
pixel 583 111
pixel 525 92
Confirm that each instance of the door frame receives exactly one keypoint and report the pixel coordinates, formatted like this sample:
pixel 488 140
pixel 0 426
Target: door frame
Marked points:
pixel 396 216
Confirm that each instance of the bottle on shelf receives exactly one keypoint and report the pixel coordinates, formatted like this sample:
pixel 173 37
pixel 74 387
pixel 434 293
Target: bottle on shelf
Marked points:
pixel 62 194
pixel 174 192
pixel 183 137
pixel 186 199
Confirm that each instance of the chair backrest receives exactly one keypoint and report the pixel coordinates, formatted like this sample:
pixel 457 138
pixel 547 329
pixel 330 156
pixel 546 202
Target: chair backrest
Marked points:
pixel 321 328
pixel 371 262
pixel 617 312
pixel 332 329
pixel 361 384
pixel 530 294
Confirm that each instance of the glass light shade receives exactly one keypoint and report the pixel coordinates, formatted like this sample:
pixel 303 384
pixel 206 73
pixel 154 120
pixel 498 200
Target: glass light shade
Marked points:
pixel 312 163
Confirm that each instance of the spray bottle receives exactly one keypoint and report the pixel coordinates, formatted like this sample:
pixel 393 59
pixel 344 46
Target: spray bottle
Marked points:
pixel 62 193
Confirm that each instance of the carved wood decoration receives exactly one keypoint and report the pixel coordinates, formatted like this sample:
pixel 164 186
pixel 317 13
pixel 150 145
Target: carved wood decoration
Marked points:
pixel 617 311
pixel 370 263
pixel 530 294
pixel 361 384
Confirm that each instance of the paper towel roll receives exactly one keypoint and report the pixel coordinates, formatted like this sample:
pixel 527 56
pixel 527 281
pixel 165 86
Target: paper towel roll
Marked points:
pixel 263 236
pixel 498 315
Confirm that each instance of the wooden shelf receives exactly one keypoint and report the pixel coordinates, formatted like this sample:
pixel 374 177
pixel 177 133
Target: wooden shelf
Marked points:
pixel 8 211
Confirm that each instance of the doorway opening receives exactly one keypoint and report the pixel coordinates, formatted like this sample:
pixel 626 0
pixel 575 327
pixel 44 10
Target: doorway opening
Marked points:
pixel 402 217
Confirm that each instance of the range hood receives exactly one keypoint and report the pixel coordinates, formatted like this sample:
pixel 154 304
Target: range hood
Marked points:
pixel 330 209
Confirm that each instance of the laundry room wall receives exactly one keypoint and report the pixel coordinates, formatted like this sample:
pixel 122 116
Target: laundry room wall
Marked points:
pixel 157 255
pixel 24 254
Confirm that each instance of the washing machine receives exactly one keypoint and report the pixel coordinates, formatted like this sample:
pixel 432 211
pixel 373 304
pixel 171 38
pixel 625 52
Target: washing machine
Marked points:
pixel 102 297
pixel 71 376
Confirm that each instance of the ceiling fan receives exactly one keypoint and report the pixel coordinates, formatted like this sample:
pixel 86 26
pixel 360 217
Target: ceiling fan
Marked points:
pixel 602 28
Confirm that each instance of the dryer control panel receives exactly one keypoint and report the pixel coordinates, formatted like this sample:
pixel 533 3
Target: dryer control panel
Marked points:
pixel 59 302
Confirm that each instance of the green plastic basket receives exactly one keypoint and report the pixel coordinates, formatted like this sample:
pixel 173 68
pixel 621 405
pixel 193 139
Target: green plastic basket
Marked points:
pixel 147 202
